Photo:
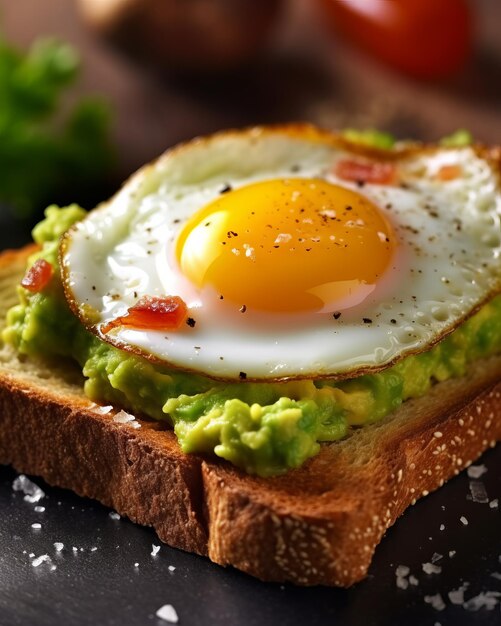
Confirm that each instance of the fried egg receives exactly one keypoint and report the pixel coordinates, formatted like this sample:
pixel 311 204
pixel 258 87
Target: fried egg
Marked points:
pixel 296 253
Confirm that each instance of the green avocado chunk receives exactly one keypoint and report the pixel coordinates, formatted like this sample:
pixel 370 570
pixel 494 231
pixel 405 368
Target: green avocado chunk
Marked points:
pixel 263 428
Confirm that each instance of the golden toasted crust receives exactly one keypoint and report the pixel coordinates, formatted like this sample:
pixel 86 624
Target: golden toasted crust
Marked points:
pixel 319 524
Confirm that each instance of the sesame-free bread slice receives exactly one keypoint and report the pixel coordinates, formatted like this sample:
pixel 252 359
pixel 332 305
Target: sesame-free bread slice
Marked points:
pixel 318 524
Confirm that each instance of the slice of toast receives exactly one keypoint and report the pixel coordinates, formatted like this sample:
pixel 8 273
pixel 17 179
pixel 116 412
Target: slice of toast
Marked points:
pixel 318 524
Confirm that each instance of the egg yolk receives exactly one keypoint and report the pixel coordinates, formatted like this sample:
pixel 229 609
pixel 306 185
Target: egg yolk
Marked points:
pixel 293 245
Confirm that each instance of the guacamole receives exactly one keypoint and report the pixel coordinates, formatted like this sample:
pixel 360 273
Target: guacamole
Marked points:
pixel 263 428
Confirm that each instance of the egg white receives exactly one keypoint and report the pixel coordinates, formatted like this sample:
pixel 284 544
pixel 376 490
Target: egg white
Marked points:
pixel 446 265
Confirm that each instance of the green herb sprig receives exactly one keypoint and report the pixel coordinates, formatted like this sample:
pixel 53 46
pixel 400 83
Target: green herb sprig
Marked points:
pixel 47 149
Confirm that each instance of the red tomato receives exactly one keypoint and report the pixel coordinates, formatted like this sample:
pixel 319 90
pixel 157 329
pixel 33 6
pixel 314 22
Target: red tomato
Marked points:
pixel 151 313
pixel 38 276
pixel 423 38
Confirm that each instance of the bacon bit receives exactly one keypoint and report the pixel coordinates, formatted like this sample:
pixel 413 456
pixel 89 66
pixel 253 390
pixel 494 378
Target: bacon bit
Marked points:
pixel 377 172
pixel 38 276
pixel 151 313
pixel 449 172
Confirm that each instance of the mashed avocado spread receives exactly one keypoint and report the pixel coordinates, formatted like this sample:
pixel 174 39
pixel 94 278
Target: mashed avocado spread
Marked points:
pixel 264 428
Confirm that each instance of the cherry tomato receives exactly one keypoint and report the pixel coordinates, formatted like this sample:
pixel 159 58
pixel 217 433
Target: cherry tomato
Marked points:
pixel 423 38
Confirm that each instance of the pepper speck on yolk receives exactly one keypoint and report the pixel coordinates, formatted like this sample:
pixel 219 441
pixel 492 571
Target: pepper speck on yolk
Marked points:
pixel 292 245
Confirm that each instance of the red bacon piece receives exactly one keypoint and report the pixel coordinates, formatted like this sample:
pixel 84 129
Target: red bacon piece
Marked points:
pixel 152 313
pixel 449 172
pixel 38 276
pixel 376 172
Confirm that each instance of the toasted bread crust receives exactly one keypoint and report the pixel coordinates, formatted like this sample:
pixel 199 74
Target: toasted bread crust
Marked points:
pixel 318 524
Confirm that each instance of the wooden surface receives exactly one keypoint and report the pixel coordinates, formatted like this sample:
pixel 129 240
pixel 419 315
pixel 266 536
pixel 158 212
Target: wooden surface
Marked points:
pixel 305 74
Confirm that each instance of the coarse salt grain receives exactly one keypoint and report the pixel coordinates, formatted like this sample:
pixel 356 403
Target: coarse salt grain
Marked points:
pixel 476 471
pixel 478 492
pixel 442 526
pixel 168 613
pixel 413 580
pixel 154 549
pixel 456 596
pixel 430 568
pixel 402 570
pixel 43 558
pixel 104 409
pixel 39 509
pixel 436 557
pixel 40 559
pixel 32 493
pixel 114 515
pixel 452 553
pixel 59 546
pixel 463 520
pixel 122 417
pixel 487 600
pixel 496 575
pixel 401 582
pixel 436 602
pixel 494 504
pixel 36 526
pixel 172 568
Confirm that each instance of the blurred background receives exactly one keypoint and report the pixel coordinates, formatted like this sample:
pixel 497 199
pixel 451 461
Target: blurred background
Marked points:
pixel 119 81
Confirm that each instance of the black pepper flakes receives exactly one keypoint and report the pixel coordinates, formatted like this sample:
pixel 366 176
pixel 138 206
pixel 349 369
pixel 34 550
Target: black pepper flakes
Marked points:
pixel 191 322
pixel 242 375
pixel 367 320
pixel 243 308
pixel 336 315
pixel 393 321
pixel 225 189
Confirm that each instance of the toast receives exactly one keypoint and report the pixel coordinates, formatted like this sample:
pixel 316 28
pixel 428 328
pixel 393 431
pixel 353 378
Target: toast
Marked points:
pixel 318 524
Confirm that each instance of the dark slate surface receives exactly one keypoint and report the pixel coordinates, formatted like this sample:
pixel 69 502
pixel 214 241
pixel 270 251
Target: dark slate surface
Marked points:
pixel 103 586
